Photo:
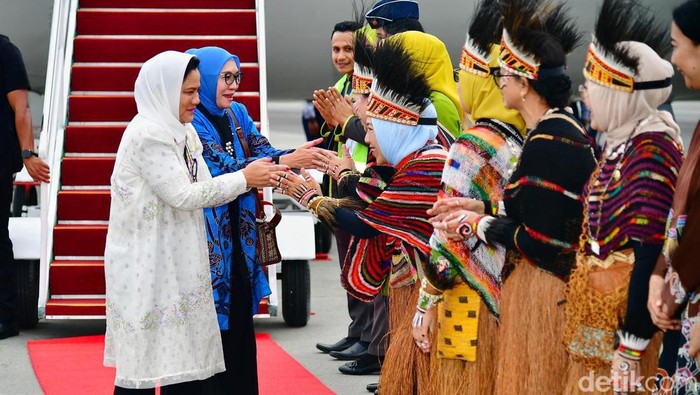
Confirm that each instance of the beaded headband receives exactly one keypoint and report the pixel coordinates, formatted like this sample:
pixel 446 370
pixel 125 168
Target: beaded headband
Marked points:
pixel 516 61
pixel 473 61
pixel 605 71
pixel 386 110
pixel 361 80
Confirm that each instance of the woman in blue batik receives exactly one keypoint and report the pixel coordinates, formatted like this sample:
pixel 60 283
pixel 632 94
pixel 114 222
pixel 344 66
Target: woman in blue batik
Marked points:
pixel 238 280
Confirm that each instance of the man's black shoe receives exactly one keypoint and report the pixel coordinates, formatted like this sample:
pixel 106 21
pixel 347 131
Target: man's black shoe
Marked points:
pixel 8 330
pixel 369 364
pixel 372 387
pixel 340 345
pixel 356 351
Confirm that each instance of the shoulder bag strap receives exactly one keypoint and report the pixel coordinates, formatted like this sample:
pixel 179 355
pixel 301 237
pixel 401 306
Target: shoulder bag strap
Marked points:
pixel 239 132
pixel 259 209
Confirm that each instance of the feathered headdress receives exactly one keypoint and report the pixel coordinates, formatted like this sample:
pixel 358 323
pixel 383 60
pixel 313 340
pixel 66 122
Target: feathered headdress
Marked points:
pixel 364 48
pixel 484 31
pixel 526 24
pixel 399 88
pixel 610 64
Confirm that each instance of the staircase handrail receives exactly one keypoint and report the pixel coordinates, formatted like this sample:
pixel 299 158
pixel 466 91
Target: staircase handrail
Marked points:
pixel 265 122
pixel 55 115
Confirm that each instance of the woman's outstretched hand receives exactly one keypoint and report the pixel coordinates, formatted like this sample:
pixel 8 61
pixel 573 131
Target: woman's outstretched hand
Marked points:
pixel 302 156
pixel 328 162
pixel 263 173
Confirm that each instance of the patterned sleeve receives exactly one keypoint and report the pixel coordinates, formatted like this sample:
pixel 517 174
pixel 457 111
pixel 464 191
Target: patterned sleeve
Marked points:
pixel 157 161
pixel 651 172
pixel 544 212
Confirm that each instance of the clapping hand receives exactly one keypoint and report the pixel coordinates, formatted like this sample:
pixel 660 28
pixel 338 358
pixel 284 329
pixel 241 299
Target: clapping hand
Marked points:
pixel 324 106
pixel 341 107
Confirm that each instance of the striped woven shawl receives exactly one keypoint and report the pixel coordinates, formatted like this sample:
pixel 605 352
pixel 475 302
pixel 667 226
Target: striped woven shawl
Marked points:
pixel 399 213
pixel 478 167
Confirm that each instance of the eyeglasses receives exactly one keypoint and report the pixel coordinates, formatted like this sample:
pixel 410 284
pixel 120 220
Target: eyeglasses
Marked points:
pixel 191 164
pixel 229 77
pixel 498 74
pixel 582 90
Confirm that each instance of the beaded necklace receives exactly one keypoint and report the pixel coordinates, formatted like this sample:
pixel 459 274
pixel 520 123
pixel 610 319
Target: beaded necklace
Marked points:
pixel 619 153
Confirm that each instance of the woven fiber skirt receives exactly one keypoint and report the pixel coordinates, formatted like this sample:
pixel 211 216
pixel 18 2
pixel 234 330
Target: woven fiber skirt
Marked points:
pixel 531 356
pixel 458 376
pixel 403 360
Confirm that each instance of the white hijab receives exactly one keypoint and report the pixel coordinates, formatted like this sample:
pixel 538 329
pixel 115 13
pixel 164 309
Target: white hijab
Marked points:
pixel 157 91
pixel 624 115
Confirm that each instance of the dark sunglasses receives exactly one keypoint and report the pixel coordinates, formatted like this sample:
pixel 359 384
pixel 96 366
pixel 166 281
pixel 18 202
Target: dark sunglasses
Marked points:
pixel 455 72
pixel 229 77
pixel 498 74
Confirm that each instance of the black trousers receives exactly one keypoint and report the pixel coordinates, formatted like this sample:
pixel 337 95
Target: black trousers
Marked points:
pixel 240 351
pixel 8 276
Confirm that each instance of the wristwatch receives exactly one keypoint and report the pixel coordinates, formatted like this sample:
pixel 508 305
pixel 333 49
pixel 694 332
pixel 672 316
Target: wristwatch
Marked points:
pixel 27 153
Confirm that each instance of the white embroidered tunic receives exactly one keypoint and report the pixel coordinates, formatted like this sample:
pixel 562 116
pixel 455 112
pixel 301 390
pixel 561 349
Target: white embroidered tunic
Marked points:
pixel 161 322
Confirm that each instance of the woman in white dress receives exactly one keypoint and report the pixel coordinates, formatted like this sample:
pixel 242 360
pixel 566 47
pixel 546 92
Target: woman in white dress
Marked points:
pixel 161 324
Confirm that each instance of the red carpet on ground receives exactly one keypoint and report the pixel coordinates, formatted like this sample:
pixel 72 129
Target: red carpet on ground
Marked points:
pixel 73 366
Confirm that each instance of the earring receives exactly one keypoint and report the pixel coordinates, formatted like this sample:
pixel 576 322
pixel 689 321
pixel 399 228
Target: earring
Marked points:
pixel 522 97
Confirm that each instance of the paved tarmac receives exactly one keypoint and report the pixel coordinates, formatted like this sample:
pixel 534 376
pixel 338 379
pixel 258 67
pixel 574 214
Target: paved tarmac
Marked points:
pixel 329 318
pixel 328 322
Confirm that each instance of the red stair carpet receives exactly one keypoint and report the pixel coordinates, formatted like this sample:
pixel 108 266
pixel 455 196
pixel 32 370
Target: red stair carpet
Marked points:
pixel 73 366
pixel 113 39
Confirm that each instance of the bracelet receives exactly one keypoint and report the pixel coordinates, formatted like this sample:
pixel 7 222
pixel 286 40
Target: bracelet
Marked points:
pixel 318 199
pixel 304 199
pixel 475 226
pixel 346 171
pixel 475 223
pixel 630 353
pixel 426 300
pixel 631 346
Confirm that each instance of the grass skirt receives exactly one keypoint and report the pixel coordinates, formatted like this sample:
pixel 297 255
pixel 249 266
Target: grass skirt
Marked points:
pixel 403 360
pixel 531 356
pixel 575 385
pixel 454 376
